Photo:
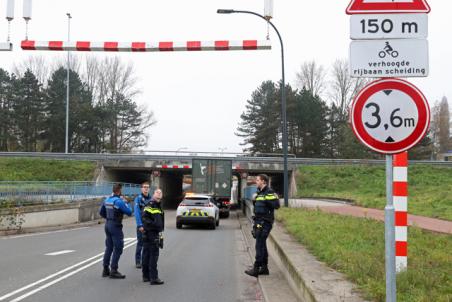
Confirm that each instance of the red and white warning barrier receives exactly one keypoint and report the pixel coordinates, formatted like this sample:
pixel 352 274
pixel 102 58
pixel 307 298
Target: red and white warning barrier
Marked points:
pixel 173 166
pixel 400 192
pixel 6 46
pixel 146 46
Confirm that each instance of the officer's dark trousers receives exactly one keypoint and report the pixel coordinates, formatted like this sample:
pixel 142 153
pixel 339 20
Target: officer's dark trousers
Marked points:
pixel 139 247
pixel 150 255
pixel 114 244
pixel 261 244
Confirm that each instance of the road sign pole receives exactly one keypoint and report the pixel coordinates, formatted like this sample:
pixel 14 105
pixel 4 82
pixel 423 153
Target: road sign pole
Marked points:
pixel 390 234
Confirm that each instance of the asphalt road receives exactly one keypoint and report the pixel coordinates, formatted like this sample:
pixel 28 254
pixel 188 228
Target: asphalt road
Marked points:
pixel 196 264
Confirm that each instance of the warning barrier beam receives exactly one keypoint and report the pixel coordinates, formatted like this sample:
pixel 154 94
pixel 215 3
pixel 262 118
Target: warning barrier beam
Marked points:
pixel 6 46
pixel 146 46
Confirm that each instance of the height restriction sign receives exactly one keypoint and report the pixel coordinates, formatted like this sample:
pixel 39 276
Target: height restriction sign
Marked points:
pixel 390 116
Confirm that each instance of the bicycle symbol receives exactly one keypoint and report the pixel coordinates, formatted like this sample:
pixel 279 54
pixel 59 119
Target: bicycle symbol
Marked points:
pixel 388 50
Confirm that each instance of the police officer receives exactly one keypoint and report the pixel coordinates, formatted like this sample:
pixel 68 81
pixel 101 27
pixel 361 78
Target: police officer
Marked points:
pixel 140 202
pixel 264 207
pixel 153 223
pixel 113 210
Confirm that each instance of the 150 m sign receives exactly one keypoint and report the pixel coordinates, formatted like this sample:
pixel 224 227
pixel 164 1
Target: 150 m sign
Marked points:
pixel 390 116
pixel 389 26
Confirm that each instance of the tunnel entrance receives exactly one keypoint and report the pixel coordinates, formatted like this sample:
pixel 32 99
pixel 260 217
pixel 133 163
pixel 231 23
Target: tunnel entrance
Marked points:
pixel 170 181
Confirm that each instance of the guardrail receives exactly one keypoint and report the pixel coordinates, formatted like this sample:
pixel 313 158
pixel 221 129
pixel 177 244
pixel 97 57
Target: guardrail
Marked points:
pixel 237 157
pixel 21 193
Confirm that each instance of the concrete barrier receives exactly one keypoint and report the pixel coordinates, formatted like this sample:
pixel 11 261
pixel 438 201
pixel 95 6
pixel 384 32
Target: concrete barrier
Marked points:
pixel 49 215
pixel 310 279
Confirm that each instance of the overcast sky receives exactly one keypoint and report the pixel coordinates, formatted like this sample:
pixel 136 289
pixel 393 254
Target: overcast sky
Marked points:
pixel 197 97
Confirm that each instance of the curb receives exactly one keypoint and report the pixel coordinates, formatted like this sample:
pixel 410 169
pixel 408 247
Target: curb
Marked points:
pixel 274 286
pixel 50 228
pixel 310 279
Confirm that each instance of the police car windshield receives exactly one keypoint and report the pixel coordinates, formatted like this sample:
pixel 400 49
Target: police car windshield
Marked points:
pixel 196 201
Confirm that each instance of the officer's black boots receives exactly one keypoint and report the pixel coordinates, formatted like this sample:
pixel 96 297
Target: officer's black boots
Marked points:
pixel 114 274
pixel 138 265
pixel 263 270
pixel 157 282
pixel 106 271
pixel 253 272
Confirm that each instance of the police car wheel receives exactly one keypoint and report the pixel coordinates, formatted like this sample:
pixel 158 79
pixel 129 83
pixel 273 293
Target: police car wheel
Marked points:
pixel 217 223
pixel 178 225
pixel 213 225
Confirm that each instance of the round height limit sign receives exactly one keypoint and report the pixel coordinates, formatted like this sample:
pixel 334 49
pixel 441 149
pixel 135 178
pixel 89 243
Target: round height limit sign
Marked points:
pixel 390 116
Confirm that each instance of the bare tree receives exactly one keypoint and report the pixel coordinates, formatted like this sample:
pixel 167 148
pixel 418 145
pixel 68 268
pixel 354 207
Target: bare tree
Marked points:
pixel 343 87
pixel 132 126
pixel 90 73
pixel 38 65
pixel 74 63
pixel 434 129
pixel 311 77
pixel 110 77
pixel 444 126
pixel 42 68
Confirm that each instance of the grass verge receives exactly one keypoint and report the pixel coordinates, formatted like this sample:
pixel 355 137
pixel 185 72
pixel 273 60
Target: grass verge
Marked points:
pixel 34 169
pixel 355 247
pixel 429 187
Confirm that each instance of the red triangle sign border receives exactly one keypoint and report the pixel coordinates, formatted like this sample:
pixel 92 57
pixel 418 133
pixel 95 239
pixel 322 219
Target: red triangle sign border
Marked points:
pixel 361 7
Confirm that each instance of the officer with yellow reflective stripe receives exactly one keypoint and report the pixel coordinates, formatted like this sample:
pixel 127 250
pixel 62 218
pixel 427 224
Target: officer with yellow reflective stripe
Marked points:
pixel 264 207
pixel 153 220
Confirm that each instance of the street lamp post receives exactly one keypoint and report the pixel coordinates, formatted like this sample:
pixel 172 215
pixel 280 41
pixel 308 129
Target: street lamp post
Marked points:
pixel 179 149
pixel 283 97
pixel 222 149
pixel 69 17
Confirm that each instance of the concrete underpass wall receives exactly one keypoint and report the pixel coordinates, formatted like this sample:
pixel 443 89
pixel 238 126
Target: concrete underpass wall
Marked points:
pixel 133 176
pixel 49 215
pixel 276 182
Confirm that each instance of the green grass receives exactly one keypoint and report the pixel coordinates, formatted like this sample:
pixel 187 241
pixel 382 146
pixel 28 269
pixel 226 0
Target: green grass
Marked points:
pixel 31 169
pixel 429 188
pixel 355 247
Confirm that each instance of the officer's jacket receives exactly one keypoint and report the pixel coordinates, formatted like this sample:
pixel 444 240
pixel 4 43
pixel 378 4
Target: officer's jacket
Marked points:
pixel 113 209
pixel 265 204
pixel 153 217
pixel 140 202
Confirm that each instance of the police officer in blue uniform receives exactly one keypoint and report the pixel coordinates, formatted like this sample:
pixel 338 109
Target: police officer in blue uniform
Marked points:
pixel 153 223
pixel 141 201
pixel 264 208
pixel 113 209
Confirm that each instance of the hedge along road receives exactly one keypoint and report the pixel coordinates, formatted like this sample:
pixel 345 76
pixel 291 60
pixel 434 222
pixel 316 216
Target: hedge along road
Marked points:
pixel 197 265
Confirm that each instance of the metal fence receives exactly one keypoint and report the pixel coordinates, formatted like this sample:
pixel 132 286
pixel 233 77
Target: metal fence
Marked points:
pixel 44 192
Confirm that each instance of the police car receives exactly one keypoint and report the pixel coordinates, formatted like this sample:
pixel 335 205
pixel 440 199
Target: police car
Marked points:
pixel 197 209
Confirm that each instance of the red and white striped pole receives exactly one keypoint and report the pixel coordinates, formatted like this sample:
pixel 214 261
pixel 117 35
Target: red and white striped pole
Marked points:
pixel 400 193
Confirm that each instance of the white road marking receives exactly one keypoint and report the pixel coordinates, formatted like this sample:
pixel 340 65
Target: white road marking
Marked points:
pixel 60 253
pixel 43 233
pixel 55 274
pixel 62 277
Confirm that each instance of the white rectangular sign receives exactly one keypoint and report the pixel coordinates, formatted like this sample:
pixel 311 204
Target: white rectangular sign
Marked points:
pixel 389 26
pixel 6 46
pixel 403 58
